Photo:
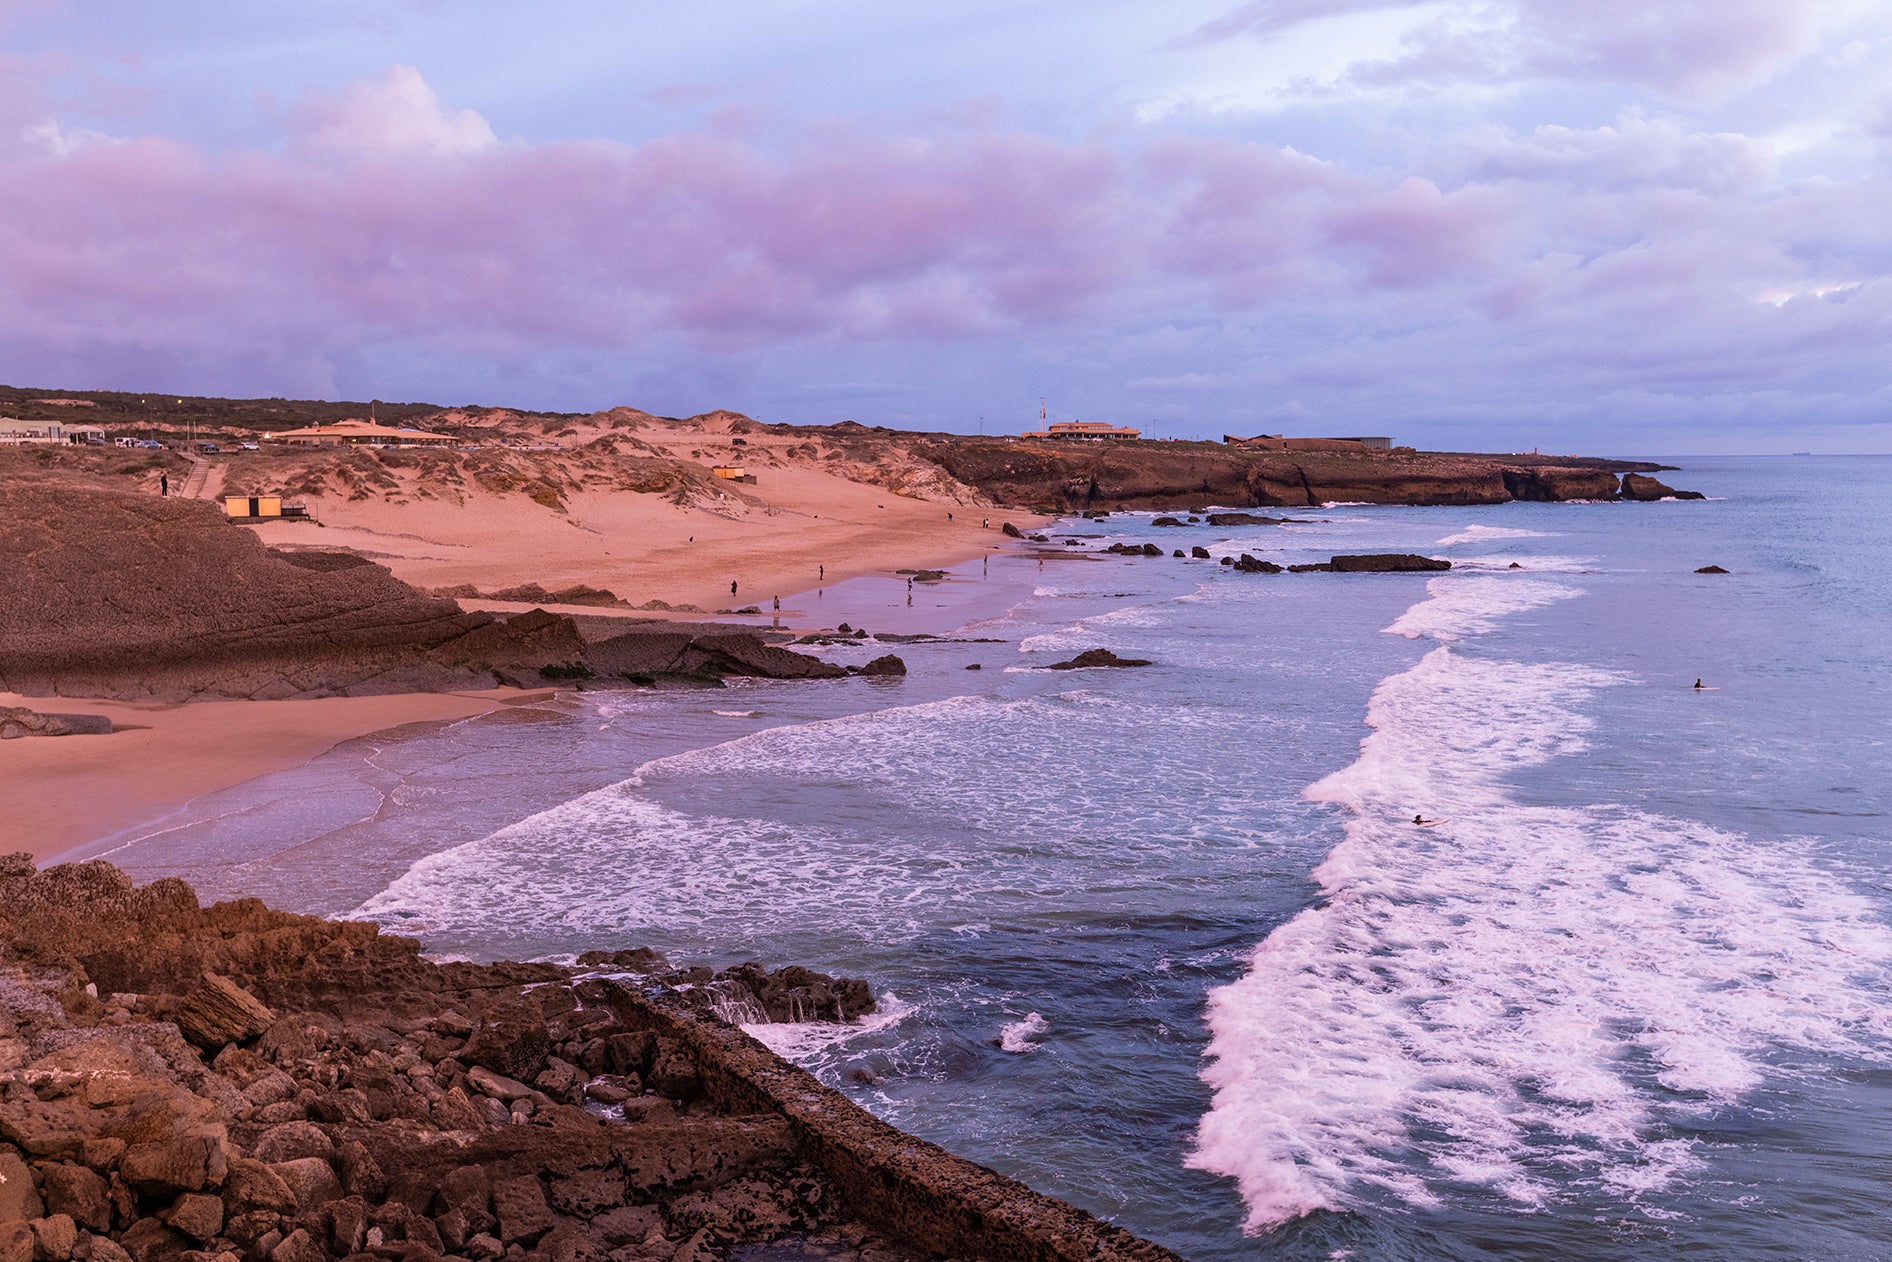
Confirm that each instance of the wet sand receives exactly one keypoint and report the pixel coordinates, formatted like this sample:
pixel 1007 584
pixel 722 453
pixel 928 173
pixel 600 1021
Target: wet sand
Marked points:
pixel 57 793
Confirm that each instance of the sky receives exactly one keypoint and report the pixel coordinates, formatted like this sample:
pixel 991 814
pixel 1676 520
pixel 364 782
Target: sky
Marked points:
pixel 1635 227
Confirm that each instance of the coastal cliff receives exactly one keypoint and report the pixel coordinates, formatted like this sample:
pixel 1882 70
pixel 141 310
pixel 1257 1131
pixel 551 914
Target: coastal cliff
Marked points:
pixel 235 1084
pixel 1075 476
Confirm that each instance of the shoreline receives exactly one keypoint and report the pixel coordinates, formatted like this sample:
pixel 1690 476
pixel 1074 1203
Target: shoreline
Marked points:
pixel 65 796
pixel 61 794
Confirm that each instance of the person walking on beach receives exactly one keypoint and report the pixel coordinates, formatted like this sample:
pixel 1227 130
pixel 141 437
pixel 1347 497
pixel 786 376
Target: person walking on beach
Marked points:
pixel 164 484
pixel 732 587
pixel 778 604
pixel 821 572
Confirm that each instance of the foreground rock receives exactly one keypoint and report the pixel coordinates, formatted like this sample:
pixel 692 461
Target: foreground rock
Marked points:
pixel 192 1084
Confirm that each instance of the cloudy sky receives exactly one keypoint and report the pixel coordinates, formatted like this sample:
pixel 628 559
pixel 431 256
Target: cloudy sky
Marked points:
pixel 1634 226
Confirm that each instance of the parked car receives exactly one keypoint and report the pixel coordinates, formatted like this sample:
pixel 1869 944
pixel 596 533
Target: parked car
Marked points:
pixel 209 449
pixel 151 443
pixel 249 447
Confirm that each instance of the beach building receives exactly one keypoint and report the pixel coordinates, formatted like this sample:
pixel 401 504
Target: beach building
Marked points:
pixel 355 432
pixel 14 433
pixel 733 473
pixel 1084 431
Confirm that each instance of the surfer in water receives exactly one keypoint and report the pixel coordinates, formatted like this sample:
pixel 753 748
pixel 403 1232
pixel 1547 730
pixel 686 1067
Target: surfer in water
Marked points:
pixel 1420 819
pixel 1700 686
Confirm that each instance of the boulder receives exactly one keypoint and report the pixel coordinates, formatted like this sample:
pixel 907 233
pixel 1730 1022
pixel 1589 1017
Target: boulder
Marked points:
pixel 310 1180
pixel 298 1246
pixel 887 664
pixel 1254 565
pixel 1243 519
pixel 16 1242
pixel 1199 552
pixel 18 1201
pixel 293 1140
pixel 511 1041
pixel 1098 657
pixel 218 1011
pixel 198 1216
pixel 498 1086
pixel 189 1163
pixel 54 1236
pixel 253 1187
pixel 1011 532
pixel 78 1193
pixel 1711 569
pixel 1166 521
pixel 521 1208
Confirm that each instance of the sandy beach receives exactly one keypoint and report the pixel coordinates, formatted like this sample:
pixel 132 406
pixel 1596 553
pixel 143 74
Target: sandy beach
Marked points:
pixel 57 793
pixel 801 529
pixel 798 527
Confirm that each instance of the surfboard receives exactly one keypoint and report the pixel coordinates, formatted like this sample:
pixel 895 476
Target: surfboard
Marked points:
pixel 1432 823
pixel 1705 688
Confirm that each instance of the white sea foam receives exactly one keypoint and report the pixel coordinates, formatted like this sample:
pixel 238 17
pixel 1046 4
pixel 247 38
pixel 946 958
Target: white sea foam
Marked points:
pixel 801 1041
pixel 1018 1036
pixel 1523 999
pixel 674 850
pixel 1470 605
pixel 1484 534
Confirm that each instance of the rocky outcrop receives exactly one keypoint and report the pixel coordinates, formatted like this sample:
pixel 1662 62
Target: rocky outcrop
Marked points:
pixel 1711 569
pixel 1080 477
pixel 1090 658
pixel 534 594
pixel 1376 563
pixel 18 721
pixel 648 655
pixel 885 665
pixel 117 594
pixel 391 1107
pixel 1243 519
pixel 1636 486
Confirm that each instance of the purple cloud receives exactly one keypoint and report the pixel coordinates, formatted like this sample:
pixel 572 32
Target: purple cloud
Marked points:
pixel 1506 269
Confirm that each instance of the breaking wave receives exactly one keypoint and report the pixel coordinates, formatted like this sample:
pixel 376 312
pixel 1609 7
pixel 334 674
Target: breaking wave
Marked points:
pixel 1523 1000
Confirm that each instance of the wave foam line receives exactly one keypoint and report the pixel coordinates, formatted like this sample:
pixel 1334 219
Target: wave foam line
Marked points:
pixel 1524 1000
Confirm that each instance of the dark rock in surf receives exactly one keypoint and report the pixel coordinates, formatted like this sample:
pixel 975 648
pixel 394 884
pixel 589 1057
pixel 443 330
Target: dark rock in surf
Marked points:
pixel 884 665
pixel 1098 657
pixel 1199 552
pixel 1711 569
pixel 1166 521
pixel 1246 564
pixel 1243 519
pixel 1380 563
pixel 1011 532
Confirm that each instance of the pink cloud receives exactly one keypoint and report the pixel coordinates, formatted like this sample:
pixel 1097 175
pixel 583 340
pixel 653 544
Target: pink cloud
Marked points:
pixel 391 225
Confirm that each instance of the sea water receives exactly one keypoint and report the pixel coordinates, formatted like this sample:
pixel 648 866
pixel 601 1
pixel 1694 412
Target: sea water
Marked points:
pixel 1165 941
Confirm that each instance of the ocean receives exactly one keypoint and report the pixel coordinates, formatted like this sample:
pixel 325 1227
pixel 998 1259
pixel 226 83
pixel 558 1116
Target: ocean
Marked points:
pixel 1165 942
